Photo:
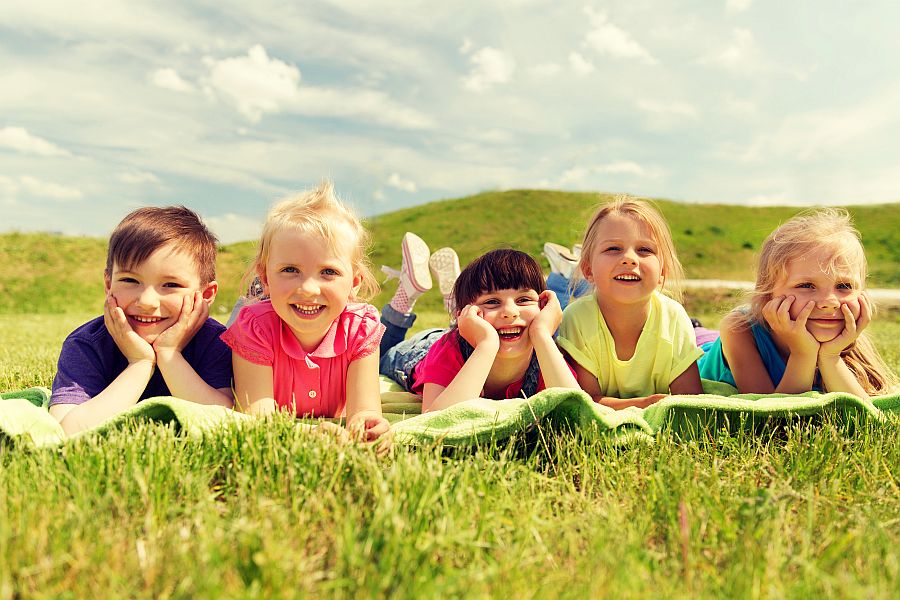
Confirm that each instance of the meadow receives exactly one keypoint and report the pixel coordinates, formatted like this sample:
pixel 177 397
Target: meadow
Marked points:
pixel 810 508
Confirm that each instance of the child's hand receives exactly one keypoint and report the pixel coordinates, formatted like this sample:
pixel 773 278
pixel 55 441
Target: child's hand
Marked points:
pixel 332 430
pixel 369 426
pixel 474 328
pixel 134 347
pixel 547 321
pixel 852 329
pixel 792 331
pixel 194 312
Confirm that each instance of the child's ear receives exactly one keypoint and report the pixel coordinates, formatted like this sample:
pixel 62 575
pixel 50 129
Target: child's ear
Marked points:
pixel 107 280
pixel 261 273
pixel 209 291
pixel 586 271
pixel 357 282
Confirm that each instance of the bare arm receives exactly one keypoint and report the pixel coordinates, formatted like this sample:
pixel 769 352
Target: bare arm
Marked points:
pixel 254 390
pixel 589 384
pixel 739 348
pixel 688 382
pixel 181 378
pixel 554 369
pixel 836 375
pixel 469 381
pixel 364 419
pixel 125 390
pixel 120 395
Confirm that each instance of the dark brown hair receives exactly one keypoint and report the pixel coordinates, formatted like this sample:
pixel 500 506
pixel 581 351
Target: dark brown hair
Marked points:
pixel 498 270
pixel 146 230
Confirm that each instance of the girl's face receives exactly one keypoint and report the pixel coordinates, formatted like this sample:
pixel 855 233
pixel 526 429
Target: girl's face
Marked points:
pixel 805 279
pixel 309 283
pixel 624 265
pixel 510 312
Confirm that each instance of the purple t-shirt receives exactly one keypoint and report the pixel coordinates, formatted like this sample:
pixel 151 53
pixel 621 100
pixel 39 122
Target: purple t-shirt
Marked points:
pixel 90 360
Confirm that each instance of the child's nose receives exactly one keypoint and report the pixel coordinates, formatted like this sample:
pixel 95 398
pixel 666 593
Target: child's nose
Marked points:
pixel 828 300
pixel 148 298
pixel 511 310
pixel 310 286
pixel 629 257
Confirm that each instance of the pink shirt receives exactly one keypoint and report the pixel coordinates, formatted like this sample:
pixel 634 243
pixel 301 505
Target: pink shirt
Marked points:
pixel 316 379
pixel 444 361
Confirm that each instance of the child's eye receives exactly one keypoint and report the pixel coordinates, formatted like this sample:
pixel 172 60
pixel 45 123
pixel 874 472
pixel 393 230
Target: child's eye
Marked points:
pixel 289 270
pixel 128 280
pixel 612 249
pixel 845 286
pixel 330 272
pixel 491 302
pixel 805 285
pixel 646 250
pixel 172 284
pixel 526 300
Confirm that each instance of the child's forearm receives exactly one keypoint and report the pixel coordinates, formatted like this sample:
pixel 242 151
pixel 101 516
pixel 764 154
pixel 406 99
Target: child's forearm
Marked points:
pixel 554 369
pixel 799 374
pixel 184 382
pixel 837 376
pixel 120 395
pixel 470 380
pixel 620 403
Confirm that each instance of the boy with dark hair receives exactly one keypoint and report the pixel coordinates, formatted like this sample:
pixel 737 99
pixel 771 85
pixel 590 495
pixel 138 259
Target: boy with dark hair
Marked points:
pixel 155 337
pixel 502 344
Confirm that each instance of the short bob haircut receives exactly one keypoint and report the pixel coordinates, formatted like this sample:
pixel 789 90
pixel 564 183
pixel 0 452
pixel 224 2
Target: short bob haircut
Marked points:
pixel 502 269
pixel 146 230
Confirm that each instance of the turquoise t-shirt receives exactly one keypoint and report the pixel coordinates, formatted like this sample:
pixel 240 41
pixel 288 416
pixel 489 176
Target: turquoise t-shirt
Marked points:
pixel 713 366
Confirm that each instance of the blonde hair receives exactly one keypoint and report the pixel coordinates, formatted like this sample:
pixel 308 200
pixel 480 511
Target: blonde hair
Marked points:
pixel 319 212
pixel 646 212
pixel 811 231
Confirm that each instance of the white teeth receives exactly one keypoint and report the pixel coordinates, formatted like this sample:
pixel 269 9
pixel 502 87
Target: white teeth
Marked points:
pixel 627 278
pixel 146 319
pixel 510 330
pixel 307 309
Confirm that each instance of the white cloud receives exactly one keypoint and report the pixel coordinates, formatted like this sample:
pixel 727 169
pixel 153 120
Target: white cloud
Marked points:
pixel 169 79
pixel 47 189
pixel 18 138
pixel 138 177
pixel 736 6
pixel 255 83
pixel 231 227
pixel 580 64
pixel 401 184
pixel 378 196
pixel 489 67
pixel 466 46
pixel 369 105
pixel 582 175
pixel 677 109
pixel 741 54
pixel 611 40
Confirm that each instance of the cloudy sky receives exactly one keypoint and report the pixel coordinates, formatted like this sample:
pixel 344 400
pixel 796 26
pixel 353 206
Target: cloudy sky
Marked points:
pixel 226 105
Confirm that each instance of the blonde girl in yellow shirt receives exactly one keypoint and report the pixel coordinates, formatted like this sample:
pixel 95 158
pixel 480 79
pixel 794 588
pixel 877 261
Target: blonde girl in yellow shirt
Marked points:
pixel 629 343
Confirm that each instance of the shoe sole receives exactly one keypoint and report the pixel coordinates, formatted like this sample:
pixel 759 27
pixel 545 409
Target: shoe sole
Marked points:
pixel 445 265
pixel 415 261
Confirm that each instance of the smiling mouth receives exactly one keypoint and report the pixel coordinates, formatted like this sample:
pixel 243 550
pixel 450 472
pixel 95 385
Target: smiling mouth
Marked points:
pixel 510 334
pixel 308 311
pixel 145 321
pixel 627 277
pixel 828 321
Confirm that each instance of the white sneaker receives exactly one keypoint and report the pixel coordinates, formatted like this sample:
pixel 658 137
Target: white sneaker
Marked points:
pixel 444 264
pixel 561 259
pixel 413 274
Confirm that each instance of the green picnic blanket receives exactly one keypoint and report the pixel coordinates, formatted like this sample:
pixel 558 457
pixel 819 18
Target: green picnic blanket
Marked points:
pixel 24 416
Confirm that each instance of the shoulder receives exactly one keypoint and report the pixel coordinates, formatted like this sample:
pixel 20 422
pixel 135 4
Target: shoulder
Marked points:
pixel 259 316
pixel 91 332
pixel 582 307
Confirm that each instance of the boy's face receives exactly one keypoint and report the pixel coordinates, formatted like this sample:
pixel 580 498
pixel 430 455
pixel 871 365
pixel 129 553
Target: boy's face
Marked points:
pixel 151 293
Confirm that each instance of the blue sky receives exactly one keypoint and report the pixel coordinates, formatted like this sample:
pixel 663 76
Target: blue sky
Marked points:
pixel 225 106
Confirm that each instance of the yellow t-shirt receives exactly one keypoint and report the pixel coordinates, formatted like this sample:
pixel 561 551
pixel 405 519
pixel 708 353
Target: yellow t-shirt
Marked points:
pixel 666 348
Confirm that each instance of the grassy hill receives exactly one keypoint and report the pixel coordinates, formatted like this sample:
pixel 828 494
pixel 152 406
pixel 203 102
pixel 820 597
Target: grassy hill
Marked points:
pixel 43 273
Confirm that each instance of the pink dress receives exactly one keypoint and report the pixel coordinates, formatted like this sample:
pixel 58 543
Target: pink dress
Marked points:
pixel 308 383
